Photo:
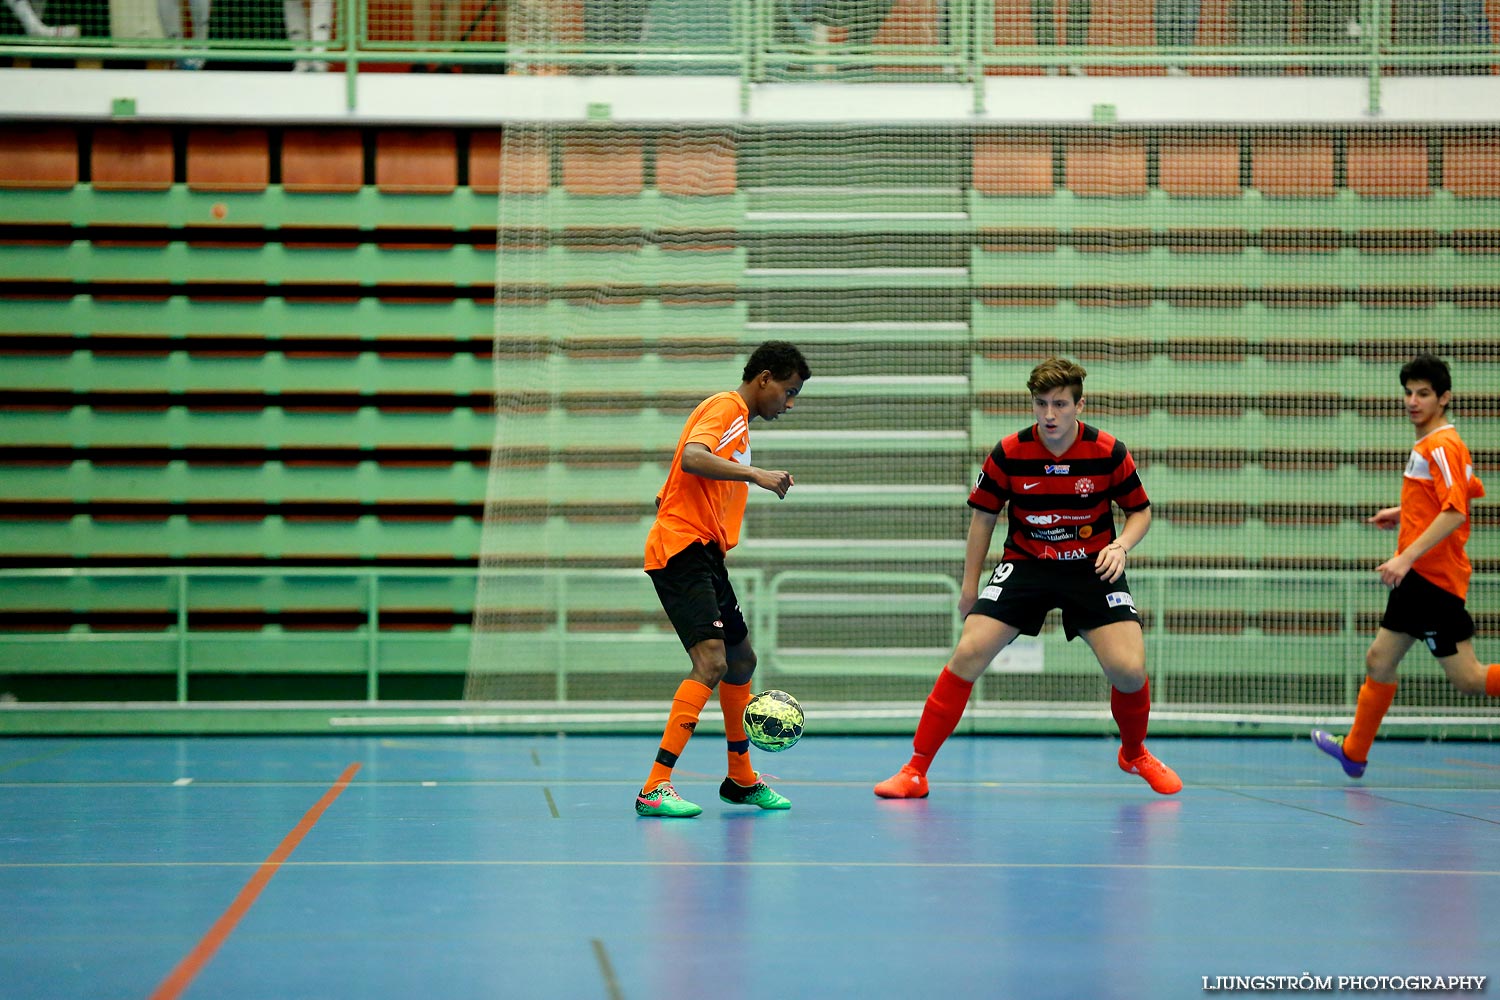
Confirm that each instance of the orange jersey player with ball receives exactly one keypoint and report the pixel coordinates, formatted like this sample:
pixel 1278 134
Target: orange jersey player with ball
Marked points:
pixel 698 514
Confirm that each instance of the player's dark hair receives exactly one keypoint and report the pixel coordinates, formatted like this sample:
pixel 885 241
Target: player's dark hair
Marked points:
pixel 1428 368
pixel 778 357
pixel 1055 373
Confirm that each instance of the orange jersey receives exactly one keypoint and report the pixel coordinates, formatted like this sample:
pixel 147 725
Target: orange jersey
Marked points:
pixel 690 508
pixel 1439 476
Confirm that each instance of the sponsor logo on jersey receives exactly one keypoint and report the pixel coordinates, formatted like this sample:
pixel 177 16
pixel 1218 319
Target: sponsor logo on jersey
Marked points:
pixel 1056 470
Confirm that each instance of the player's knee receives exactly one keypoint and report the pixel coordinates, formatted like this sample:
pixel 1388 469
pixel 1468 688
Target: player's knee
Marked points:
pixel 741 668
pixel 1378 668
pixel 1127 678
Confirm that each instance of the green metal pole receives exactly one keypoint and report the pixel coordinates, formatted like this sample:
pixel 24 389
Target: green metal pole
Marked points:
pixel 372 645
pixel 182 636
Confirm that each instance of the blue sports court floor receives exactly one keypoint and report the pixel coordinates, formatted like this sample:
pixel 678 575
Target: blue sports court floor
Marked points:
pixel 445 868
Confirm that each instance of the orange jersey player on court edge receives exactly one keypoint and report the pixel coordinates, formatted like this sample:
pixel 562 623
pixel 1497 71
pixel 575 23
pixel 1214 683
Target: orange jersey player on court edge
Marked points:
pixel 698 516
pixel 1429 574
pixel 1060 479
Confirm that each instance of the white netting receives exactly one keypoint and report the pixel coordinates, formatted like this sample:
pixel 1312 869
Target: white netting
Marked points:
pixel 1242 299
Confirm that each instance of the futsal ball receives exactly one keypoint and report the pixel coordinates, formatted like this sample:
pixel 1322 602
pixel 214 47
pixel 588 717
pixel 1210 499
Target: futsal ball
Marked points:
pixel 773 721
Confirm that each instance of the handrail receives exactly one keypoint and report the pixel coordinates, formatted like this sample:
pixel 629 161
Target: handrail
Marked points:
pixel 752 51
pixel 761 594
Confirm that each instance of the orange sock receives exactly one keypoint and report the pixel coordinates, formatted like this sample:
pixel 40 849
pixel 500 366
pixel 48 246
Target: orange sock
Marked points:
pixel 1492 681
pixel 1374 702
pixel 687 705
pixel 732 699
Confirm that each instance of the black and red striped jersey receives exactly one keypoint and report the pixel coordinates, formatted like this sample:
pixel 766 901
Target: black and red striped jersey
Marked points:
pixel 1059 504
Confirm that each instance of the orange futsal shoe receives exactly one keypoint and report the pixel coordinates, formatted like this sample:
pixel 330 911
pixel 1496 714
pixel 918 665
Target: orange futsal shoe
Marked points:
pixel 1159 776
pixel 907 783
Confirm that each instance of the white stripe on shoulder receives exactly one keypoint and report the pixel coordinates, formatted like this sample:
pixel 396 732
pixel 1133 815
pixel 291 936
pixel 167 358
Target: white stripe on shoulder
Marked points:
pixel 735 430
pixel 1441 459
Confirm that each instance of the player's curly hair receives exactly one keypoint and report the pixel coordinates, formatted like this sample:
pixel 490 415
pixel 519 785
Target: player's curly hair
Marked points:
pixel 778 357
pixel 1055 373
pixel 1429 368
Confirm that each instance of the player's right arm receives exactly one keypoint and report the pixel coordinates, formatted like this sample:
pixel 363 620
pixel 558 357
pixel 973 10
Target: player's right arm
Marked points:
pixel 1386 518
pixel 976 556
pixel 697 460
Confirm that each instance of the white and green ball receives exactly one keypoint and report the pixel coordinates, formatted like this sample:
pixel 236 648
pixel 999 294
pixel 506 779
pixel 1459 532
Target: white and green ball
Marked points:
pixel 773 721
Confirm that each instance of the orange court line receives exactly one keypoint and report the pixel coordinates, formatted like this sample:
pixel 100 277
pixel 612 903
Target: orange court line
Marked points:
pixel 195 960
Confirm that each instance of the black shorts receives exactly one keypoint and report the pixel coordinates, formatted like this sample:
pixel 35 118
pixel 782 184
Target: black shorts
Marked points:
pixel 695 592
pixel 1420 608
pixel 1022 591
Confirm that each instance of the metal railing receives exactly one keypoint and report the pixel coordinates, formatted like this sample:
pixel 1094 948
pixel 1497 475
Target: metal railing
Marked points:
pixel 766 596
pixel 753 44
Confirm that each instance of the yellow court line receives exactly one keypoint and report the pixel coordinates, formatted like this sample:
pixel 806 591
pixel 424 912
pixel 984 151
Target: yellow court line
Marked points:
pixel 60 751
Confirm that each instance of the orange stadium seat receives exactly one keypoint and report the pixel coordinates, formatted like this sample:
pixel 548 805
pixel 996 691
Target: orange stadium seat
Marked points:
pixel 38 156
pixel 1387 167
pixel 603 166
pixel 1471 166
pixel 131 159
pixel 498 167
pixel 1123 23
pixel 1199 168
pixel 416 161
pixel 317 161
pixel 1297 167
pixel 228 159
pixel 1009 167
pixel 1108 168
pixel 696 165
pixel 1013 28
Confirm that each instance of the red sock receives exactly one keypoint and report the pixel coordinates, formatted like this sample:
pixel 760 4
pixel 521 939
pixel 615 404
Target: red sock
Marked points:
pixel 945 706
pixel 1132 714
pixel 732 700
pixel 1374 701
pixel 687 705
pixel 1492 681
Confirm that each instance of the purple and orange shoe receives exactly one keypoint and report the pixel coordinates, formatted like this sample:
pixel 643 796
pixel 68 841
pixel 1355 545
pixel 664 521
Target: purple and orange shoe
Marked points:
pixel 1334 747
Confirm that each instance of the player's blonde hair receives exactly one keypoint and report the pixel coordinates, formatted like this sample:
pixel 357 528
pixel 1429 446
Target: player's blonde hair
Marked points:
pixel 1055 373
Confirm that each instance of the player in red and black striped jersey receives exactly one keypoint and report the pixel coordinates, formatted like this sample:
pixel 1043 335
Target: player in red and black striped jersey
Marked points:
pixel 1060 479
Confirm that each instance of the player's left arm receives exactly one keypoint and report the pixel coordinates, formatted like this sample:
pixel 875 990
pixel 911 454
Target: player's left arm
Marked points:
pixel 1109 564
pixel 1394 569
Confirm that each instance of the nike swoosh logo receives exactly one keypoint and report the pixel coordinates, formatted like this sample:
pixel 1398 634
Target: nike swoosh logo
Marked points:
pixel 1027 486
